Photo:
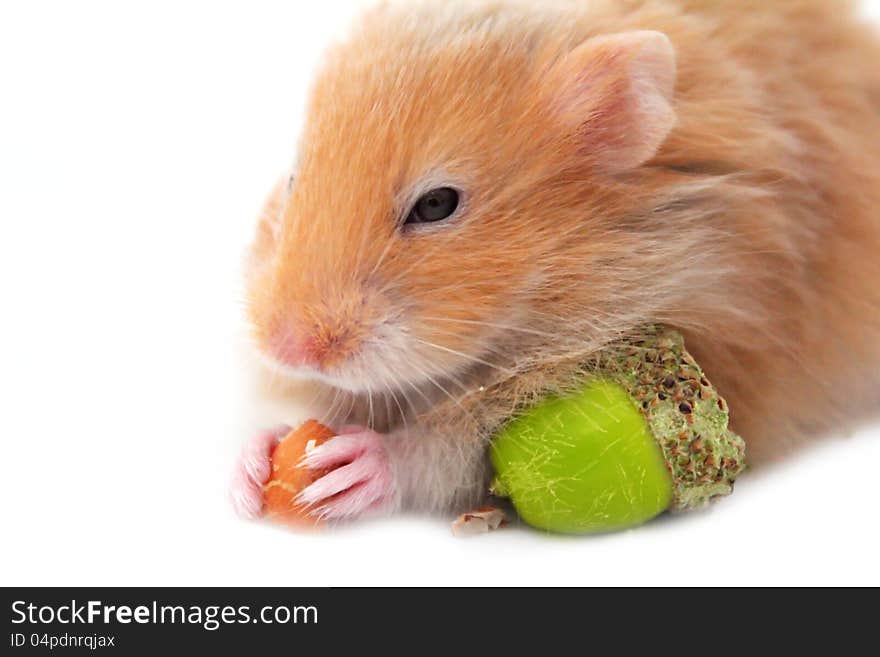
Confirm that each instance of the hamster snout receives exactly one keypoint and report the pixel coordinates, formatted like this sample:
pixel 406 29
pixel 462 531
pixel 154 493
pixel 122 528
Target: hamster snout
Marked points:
pixel 319 349
pixel 333 336
pixel 317 333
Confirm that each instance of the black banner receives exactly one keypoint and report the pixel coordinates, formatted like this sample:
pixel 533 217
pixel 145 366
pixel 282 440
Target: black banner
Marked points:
pixel 151 620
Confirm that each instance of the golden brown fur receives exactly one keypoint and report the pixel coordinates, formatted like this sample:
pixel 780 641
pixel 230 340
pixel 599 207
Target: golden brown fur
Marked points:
pixel 755 228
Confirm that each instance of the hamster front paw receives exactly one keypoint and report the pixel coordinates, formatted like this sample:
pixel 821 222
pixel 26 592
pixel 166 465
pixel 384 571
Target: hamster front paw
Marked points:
pixel 252 471
pixel 361 481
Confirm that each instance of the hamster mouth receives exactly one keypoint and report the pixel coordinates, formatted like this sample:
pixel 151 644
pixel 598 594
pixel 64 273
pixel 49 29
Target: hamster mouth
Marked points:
pixel 393 359
pixel 383 372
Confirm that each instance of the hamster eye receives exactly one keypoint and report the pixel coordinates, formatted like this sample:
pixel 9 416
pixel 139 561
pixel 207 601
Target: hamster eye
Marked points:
pixel 436 205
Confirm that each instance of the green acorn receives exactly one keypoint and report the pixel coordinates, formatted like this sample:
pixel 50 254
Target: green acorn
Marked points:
pixel 646 433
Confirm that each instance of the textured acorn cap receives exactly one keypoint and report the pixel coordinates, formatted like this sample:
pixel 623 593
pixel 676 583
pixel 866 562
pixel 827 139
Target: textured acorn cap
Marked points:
pixel 687 416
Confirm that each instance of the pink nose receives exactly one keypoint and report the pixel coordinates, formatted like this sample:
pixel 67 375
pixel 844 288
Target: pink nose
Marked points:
pixel 292 350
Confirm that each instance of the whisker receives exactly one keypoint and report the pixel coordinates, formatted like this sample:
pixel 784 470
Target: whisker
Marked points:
pixel 399 408
pixel 506 327
pixel 463 355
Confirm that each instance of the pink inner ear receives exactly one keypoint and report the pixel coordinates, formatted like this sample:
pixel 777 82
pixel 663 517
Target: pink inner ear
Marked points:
pixel 618 89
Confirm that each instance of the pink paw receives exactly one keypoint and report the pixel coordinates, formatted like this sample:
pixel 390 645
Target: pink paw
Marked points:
pixel 361 481
pixel 252 471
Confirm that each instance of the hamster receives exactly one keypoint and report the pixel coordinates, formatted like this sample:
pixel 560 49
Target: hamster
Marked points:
pixel 486 193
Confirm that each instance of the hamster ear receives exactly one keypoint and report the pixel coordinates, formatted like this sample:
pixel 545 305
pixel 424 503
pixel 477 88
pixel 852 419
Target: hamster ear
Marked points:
pixel 617 90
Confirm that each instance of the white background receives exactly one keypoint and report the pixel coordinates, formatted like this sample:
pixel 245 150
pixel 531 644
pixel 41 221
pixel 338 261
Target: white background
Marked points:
pixel 136 144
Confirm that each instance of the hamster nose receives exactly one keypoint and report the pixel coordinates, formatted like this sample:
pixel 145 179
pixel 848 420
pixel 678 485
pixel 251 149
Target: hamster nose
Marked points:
pixel 294 350
pixel 320 350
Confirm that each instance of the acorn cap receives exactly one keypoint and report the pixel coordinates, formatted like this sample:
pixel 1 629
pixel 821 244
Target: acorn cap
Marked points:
pixel 687 416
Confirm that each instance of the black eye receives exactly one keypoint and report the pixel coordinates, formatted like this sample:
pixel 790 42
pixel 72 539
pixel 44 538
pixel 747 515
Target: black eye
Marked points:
pixel 436 205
